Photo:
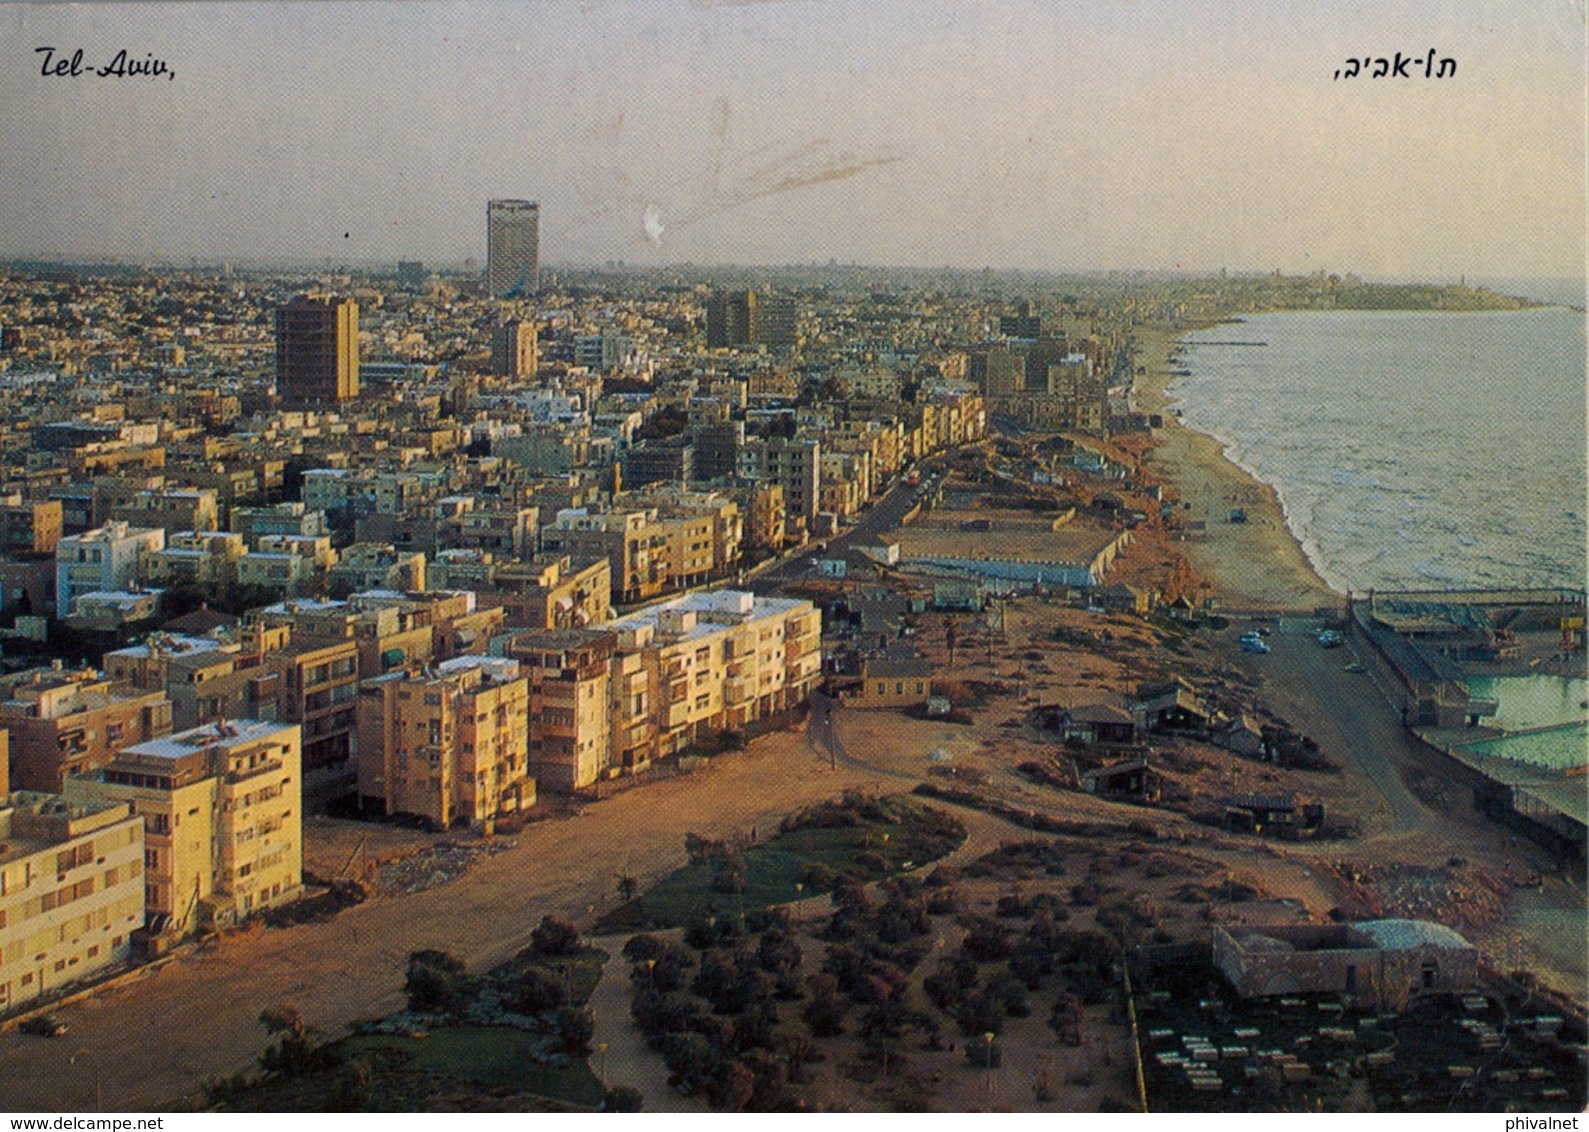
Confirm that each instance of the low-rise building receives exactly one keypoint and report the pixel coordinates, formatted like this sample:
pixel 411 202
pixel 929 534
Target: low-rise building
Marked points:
pixel 194 558
pixel 71 891
pixel 894 681
pixel 101 560
pixel 1385 962
pixel 449 744
pixel 723 660
pixel 222 810
pixel 377 566
pixel 63 722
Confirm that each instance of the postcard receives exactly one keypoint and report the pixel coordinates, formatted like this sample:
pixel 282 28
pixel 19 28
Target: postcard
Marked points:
pixel 724 556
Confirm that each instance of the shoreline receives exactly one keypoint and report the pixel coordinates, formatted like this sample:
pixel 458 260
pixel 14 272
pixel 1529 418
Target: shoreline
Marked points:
pixel 1259 564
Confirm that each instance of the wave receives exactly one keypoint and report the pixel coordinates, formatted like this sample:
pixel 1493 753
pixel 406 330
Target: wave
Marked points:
pixel 1337 450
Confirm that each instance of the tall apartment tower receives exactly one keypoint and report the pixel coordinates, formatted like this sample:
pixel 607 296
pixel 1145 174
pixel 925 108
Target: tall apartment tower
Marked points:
pixel 317 351
pixel 749 318
pixel 513 248
pixel 513 349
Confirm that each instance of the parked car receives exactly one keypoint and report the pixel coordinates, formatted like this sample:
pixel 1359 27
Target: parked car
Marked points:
pixel 1254 643
pixel 44 1026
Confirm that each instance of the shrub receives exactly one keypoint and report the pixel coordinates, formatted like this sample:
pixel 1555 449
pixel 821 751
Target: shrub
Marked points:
pixel 817 877
pixel 555 938
pixel 704 850
pixel 435 983
pixel 622 1099
pixel 984 1054
pixel 534 993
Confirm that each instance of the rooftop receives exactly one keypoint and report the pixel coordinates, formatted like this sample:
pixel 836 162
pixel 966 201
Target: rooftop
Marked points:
pixel 227 733
pixel 706 606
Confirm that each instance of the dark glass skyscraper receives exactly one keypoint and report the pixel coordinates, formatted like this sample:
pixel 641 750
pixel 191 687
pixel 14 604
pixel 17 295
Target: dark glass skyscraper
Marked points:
pixel 513 248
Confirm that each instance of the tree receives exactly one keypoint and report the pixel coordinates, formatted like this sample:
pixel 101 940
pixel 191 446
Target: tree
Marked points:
pixel 555 938
pixel 622 1099
pixel 575 1029
pixel 435 982
pixel 350 1091
pixel 298 1051
pixel 535 993
pixel 628 887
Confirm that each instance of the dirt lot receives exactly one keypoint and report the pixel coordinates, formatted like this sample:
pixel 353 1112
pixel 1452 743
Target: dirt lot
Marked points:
pixel 163 1035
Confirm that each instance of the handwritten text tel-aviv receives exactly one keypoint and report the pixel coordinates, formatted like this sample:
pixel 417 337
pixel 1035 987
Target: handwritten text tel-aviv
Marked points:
pixel 1398 68
pixel 123 66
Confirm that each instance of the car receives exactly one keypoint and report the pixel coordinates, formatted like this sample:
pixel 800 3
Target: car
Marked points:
pixel 1330 639
pixel 1254 644
pixel 43 1026
pixel 1356 668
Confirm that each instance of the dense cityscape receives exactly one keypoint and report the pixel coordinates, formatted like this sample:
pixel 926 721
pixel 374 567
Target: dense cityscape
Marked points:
pixel 808 688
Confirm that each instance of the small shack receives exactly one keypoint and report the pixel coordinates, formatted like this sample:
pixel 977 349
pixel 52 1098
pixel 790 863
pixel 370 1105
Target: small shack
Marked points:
pixel 1172 705
pixel 1273 815
pixel 894 680
pixel 1133 779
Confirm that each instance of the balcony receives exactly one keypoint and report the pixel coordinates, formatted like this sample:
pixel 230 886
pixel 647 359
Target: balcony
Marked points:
pixel 273 766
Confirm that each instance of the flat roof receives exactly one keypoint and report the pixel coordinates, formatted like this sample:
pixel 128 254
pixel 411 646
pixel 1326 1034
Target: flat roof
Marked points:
pixel 705 604
pixel 228 733
pixel 172 644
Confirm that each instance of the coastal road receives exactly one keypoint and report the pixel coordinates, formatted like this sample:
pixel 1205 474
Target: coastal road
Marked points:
pixel 1344 711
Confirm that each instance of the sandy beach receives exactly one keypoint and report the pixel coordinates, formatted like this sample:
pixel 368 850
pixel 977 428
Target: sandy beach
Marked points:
pixel 1255 565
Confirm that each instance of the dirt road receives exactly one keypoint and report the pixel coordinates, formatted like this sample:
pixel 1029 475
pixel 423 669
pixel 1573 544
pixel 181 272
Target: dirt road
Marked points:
pixel 163 1036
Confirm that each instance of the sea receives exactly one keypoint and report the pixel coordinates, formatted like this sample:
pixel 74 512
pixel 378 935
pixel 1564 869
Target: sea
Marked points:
pixel 1411 450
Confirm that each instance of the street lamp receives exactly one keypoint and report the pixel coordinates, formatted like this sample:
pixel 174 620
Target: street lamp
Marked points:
pixel 99 1094
pixel 601 1051
pixel 987 1060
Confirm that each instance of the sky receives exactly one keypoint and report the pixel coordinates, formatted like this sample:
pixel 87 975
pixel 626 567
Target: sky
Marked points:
pixel 1192 135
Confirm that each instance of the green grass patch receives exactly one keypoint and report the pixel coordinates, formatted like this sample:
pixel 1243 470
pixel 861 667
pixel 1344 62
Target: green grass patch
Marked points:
pixel 857 840
pixel 484 1055
pixel 465 1068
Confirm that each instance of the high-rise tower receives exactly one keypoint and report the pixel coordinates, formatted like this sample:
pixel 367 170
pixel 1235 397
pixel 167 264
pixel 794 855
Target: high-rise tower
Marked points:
pixel 513 248
pixel 317 351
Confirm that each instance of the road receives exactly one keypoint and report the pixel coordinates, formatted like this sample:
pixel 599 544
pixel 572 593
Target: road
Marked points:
pixel 1344 711
pixel 884 515
pixel 198 1018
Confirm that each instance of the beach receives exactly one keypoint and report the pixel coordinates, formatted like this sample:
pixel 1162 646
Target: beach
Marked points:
pixel 1258 564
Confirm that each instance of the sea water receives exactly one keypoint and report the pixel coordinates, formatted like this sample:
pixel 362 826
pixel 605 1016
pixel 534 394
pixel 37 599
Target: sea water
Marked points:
pixel 1411 450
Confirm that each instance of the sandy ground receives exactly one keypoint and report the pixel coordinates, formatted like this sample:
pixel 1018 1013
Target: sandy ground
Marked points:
pixel 164 1035
pixel 1253 565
